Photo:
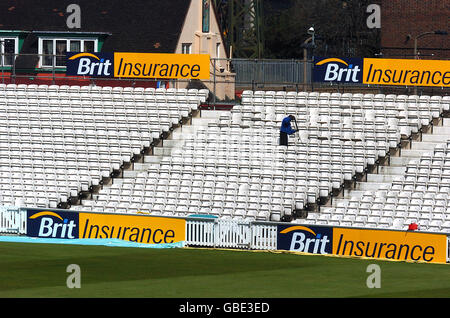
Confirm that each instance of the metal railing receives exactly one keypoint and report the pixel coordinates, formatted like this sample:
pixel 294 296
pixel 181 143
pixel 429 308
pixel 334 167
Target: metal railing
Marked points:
pixel 271 72
pixel 222 233
pixel 13 221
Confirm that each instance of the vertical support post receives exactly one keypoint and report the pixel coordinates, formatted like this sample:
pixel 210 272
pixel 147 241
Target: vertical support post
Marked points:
pixel 53 69
pixel 2 50
pixel 214 79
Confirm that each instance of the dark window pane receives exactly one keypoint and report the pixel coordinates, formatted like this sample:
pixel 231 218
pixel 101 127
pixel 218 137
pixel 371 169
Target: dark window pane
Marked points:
pixel 89 46
pixel 61 50
pixel 9 50
pixel 47 50
pixel 75 46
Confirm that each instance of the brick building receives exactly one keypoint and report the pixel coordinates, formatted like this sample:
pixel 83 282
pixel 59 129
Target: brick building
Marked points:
pixel 403 20
pixel 36 35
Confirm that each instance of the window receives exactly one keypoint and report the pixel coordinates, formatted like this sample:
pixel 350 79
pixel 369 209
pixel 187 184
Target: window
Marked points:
pixel 47 59
pixel 53 51
pixel 186 48
pixel 205 16
pixel 218 50
pixel 8 49
pixel 89 46
pixel 75 46
pixel 61 50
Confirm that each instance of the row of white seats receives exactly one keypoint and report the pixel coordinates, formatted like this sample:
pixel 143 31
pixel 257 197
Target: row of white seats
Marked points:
pixel 199 162
pixel 342 96
pixel 202 93
pixel 79 145
pixel 215 139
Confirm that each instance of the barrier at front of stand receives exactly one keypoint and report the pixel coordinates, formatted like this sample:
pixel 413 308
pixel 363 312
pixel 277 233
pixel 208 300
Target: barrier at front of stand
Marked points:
pixel 141 230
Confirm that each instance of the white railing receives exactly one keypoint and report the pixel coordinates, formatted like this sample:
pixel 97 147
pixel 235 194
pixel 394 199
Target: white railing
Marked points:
pixel 200 233
pixel 240 234
pixel 264 237
pixel 12 220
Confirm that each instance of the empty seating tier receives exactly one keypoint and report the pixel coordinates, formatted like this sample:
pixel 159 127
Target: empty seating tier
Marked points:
pixel 235 168
pixel 421 196
pixel 57 142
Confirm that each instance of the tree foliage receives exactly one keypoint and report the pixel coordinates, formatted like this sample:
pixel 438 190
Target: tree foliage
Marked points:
pixel 340 28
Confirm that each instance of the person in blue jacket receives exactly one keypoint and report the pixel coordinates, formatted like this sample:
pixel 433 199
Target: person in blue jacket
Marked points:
pixel 286 130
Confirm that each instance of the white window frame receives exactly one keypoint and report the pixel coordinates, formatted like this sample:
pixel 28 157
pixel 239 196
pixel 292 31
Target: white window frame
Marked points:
pixel 55 39
pixel 186 48
pixel 218 49
pixel 2 48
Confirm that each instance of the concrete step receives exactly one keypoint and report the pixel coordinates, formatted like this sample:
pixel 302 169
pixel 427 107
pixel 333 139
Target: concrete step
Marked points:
pixel 380 178
pixel 438 138
pixel 206 113
pixel 176 140
pixel 350 194
pixel 130 174
pixel 144 166
pixel 392 170
pixel 171 143
pixel 424 145
pixel 153 159
pixel 369 186
pixel 186 132
pixel 400 161
pixel 117 181
pixel 441 130
pixel 196 123
pixel 202 121
pixel 410 153
pixel 163 151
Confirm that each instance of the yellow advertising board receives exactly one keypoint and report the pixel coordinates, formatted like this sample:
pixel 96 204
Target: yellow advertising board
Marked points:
pixel 160 65
pixel 134 228
pixel 407 72
pixel 392 245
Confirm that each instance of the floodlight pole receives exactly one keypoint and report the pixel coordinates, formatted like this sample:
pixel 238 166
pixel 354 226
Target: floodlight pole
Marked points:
pixel 305 62
pixel 311 39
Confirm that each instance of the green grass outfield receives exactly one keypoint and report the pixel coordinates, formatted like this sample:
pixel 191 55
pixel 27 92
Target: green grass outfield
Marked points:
pixel 39 270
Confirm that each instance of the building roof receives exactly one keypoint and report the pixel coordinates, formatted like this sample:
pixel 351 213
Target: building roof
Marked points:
pixel 134 26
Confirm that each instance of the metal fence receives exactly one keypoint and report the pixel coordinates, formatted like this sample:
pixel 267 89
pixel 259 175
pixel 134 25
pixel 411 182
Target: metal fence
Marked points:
pixel 271 72
pixel 13 221
pixel 222 233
